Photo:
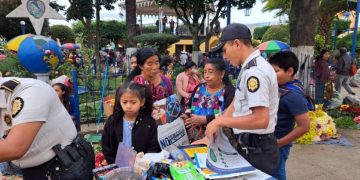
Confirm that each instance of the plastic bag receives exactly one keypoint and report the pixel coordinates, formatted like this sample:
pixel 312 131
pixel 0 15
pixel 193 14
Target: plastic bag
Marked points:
pixel 159 170
pixel 351 100
pixel 336 101
pixel 125 156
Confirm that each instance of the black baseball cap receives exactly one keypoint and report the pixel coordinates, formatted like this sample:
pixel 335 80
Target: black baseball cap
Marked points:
pixel 231 32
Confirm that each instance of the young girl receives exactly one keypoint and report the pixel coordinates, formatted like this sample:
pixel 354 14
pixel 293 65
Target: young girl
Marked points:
pixel 131 122
pixel 69 102
pixel 63 92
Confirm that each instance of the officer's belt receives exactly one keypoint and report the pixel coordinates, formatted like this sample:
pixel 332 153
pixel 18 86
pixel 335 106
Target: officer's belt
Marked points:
pixel 249 141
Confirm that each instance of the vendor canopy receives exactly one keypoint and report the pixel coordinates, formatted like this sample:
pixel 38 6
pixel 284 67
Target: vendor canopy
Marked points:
pixel 149 7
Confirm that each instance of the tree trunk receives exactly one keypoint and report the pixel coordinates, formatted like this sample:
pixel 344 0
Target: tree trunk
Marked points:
pixel 327 11
pixel 87 32
pixel 302 33
pixel 194 29
pixel 97 39
pixel 302 25
pixel 130 22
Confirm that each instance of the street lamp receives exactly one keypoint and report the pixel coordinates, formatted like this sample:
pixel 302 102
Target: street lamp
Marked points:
pixel 22 26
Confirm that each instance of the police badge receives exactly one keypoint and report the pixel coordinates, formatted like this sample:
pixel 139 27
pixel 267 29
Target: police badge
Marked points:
pixel 253 84
pixel 17 105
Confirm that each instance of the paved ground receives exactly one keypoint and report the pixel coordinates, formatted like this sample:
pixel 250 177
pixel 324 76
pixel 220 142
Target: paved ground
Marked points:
pixel 326 162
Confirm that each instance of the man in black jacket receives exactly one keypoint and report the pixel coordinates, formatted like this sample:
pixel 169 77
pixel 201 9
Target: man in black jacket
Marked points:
pixel 342 72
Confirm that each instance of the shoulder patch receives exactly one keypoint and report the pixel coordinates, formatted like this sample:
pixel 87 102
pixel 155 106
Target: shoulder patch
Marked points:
pixel 17 105
pixel 253 84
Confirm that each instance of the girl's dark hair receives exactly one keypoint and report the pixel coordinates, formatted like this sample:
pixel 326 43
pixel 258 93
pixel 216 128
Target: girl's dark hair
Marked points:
pixel 189 64
pixel 322 52
pixel 220 65
pixel 65 97
pixel 141 56
pixel 139 90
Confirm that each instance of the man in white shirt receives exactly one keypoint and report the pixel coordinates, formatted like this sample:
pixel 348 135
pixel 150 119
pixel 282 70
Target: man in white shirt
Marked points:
pixel 253 112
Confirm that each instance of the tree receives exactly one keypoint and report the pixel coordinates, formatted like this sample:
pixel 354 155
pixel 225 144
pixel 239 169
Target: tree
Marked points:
pixel 193 13
pixel 259 32
pixel 277 32
pixel 281 6
pixel 64 33
pixel 302 33
pixel 327 11
pixel 130 6
pixel 107 4
pixel 158 41
pixel 82 11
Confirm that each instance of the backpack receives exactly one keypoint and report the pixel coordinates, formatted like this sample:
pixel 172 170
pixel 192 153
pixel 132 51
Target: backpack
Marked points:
pixel 297 85
pixel 353 69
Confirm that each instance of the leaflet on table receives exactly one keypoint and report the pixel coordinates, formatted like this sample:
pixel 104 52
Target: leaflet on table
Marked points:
pixel 200 159
pixel 222 158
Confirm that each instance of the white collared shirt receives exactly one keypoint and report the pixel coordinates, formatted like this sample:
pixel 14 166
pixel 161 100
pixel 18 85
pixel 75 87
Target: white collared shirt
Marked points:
pixel 264 94
pixel 41 104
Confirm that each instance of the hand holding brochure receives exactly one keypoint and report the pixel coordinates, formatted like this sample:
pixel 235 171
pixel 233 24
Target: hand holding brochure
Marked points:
pixel 222 158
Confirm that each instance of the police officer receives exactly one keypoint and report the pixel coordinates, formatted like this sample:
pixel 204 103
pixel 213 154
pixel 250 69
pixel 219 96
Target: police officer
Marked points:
pixel 252 114
pixel 38 135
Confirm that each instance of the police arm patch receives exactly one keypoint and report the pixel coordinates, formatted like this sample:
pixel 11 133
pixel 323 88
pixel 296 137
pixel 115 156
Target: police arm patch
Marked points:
pixel 253 84
pixel 17 105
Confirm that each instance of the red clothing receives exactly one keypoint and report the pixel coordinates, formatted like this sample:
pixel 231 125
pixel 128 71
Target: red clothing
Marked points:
pixel 322 72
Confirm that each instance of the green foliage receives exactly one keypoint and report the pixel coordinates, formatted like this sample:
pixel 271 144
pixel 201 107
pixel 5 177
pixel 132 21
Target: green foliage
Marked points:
pixel 345 122
pixel 64 33
pixel 346 41
pixel 159 41
pixel 341 25
pixel 177 69
pixel 281 6
pixel 112 30
pixel 337 113
pixel 11 64
pixel 79 10
pixel 255 42
pixel 277 32
pixel 319 43
pixel 193 13
pixel 259 32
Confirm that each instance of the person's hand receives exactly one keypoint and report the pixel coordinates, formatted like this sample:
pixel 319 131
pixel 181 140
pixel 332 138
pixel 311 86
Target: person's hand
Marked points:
pixel 204 140
pixel 194 121
pixel 279 143
pixel 212 128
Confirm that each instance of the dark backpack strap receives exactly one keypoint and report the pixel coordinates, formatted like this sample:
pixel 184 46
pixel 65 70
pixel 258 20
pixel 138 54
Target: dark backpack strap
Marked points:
pixel 10 85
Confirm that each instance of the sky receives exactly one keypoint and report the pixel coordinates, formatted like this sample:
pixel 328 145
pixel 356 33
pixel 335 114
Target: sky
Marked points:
pixel 257 16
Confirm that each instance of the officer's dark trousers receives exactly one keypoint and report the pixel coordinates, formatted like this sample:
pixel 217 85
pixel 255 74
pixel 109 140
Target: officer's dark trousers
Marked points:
pixel 80 169
pixel 262 152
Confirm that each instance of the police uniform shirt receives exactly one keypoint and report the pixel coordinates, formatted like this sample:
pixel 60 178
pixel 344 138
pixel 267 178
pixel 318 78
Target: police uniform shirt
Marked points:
pixel 257 86
pixel 35 101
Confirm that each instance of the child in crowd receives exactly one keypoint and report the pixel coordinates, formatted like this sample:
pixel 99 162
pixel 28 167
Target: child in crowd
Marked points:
pixel 68 101
pixel 292 107
pixel 131 122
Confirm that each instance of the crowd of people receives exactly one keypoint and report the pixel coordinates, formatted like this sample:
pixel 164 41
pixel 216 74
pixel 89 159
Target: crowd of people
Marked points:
pixel 259 124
